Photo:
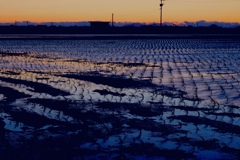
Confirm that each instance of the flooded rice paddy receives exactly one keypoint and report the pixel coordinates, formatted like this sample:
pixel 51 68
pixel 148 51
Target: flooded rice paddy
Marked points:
pixel 120 99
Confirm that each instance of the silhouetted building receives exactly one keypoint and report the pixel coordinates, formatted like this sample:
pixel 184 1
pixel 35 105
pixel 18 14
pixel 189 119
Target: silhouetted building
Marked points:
pixel 42 26
pixel 99 24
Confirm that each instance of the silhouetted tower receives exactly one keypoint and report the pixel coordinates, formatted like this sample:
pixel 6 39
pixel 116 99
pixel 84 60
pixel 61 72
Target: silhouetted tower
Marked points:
pixel 112 19
pixel 161 6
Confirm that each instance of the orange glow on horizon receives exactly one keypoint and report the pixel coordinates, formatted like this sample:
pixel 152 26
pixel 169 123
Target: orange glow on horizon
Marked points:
pixel 144 11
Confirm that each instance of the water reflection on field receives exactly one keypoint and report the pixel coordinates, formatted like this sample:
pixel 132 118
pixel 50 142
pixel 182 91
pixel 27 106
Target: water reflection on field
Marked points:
pixel 154 98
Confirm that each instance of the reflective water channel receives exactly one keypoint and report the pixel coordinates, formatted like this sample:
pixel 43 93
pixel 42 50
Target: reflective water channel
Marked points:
pixel 120 99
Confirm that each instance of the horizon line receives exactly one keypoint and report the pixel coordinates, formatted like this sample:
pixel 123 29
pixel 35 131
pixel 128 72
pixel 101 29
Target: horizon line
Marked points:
pixel 87 23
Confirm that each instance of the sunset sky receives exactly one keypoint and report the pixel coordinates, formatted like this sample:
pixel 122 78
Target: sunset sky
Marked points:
pixel 124 10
